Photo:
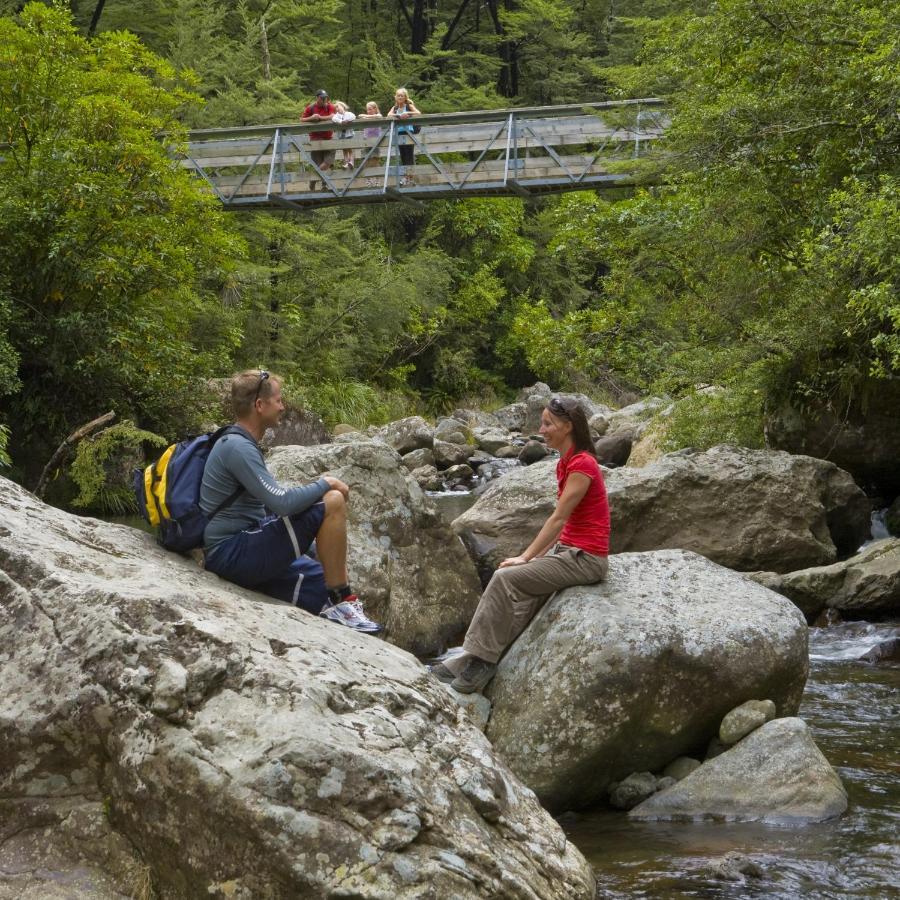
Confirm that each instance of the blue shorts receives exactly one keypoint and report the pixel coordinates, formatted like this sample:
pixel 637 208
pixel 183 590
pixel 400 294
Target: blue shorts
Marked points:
pixel 273 558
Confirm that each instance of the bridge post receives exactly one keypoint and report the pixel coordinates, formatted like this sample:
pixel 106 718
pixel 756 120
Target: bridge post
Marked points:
pixel 509 141
pixel 387 159
pixel 637 133
pixel 276 144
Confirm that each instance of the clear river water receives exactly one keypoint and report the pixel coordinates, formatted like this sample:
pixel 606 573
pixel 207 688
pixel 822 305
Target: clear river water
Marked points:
pixel 853 709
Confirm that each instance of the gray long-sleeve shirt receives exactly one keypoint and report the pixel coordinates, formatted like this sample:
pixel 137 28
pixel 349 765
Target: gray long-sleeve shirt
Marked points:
pixel 235 460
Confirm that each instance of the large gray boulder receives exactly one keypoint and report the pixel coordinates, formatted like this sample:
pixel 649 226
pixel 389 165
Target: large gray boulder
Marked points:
pixel 511 417
pixel 406 435
pixel 297 426
pixel 776 774
pixel 447 454
pixel 491 439
pixel 453 432
pixel 475 418
pixel 745 509
pixel 507 516
pixel 866 584
pixel 237 746
pixel 414 575
pixel 538 395
pixel 614 450
pixel 635 417
pixel 628 675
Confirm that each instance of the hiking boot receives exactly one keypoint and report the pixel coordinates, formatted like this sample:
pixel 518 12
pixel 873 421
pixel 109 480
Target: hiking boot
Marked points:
pixel 349 612
pixel 476 674
pixel 442 673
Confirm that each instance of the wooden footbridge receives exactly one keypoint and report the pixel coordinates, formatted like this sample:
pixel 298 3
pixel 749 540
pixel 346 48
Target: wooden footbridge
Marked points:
pixel 520 152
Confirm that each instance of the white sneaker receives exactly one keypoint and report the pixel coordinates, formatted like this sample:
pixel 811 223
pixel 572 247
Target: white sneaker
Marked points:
pixel 367 624
pixel 350 612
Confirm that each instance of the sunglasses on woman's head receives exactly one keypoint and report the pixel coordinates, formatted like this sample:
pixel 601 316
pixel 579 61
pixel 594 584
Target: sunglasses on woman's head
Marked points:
pixel 558 407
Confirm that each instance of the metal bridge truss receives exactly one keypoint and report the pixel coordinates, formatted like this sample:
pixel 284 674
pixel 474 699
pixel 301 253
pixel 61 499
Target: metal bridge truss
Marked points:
pixel 498 152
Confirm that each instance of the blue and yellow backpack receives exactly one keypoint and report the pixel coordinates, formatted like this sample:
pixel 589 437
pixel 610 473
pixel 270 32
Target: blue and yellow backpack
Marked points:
pixel 168 492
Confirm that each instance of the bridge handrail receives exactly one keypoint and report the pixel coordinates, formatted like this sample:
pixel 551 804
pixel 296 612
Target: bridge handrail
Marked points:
pixel 426 119
pixel 477 116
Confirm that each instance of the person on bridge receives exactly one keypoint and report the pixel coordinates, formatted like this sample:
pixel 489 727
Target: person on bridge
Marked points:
pixel 571 548
pixel 320 110
pixel 343 116
pixel 404 108
pixel 261 539
pixel 372 132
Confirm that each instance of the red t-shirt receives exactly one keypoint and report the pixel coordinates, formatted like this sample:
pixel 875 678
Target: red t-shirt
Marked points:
pixel 327 110
pixel 588 526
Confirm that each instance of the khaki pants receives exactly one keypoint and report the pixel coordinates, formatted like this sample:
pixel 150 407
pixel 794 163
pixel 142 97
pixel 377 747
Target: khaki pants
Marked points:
pixel 515 594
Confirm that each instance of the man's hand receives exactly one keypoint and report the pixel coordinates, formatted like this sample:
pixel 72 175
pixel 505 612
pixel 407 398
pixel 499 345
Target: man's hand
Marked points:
pixel 513 561
pixel 337 485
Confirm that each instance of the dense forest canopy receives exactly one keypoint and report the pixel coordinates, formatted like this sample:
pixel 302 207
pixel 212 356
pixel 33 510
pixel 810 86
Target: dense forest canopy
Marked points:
pixel 763 262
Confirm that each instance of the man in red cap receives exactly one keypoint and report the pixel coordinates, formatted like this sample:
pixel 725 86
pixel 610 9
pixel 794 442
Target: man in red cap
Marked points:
pixel 320 110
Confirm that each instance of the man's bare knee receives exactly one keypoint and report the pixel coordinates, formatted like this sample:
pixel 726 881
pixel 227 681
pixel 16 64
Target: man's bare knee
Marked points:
pixel 335 503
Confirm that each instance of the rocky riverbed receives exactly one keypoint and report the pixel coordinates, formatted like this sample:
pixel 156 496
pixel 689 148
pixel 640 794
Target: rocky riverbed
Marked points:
pixel 853 710
pixel 160 726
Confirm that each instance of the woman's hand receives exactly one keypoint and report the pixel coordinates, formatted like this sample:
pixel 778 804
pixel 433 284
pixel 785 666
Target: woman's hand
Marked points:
pixel 513 561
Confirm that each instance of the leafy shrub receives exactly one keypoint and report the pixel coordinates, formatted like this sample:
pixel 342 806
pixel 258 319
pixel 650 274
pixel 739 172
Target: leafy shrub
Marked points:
pixel 103 464
pixel 350 402
pixel 4 439
pixel 712 417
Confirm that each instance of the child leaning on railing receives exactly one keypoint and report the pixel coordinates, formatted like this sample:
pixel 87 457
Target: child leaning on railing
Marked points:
pixel 343 116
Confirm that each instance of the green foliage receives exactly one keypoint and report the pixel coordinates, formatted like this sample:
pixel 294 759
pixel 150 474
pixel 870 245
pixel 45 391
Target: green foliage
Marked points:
pixel 707 418
pixel 350 402
pixel 102 468
pixel 4 440
pixel 860 253
pixel 113 256
pixel 765 262
pixel 769 262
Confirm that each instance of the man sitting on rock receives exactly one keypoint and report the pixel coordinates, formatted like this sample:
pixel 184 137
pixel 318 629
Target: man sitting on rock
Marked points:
pixel 260 539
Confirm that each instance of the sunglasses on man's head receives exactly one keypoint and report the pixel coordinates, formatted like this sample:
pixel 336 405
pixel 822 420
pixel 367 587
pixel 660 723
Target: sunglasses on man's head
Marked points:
pixel 263 376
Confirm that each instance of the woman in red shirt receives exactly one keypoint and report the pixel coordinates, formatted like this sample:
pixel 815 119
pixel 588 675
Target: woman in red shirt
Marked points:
pixel 571 548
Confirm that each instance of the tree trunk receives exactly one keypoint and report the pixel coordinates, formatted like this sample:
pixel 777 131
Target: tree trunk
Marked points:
pixel 418 25
pixel 419 28
pixel 95 19
pixel 264 42
pixel 508 80
pixel 63 449
pixel 448 37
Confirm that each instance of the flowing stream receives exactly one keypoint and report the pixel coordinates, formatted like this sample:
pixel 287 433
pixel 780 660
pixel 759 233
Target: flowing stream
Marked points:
pixel 853 709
